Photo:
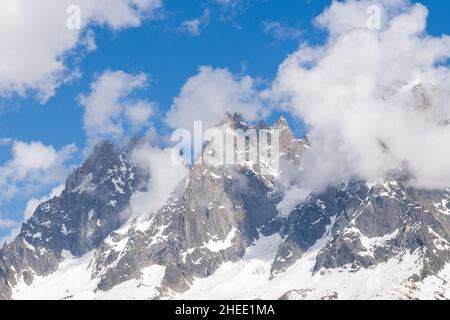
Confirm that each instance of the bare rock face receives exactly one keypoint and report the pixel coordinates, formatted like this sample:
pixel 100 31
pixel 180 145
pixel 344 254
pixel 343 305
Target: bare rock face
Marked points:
pixel 212 221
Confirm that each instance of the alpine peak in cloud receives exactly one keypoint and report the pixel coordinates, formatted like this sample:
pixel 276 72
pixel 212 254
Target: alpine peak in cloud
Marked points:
pixel 375 100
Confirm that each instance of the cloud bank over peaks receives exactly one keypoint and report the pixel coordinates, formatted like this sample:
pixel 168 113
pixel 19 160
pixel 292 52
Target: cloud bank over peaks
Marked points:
pixel 210 94
pixel 375 100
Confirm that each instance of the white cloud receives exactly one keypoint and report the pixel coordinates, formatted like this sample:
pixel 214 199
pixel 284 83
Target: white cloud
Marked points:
pixel 109 106
pixel 32 167
pixel 32 157
pixel 211 93
pixel 197 25
pixel 375 100
pixel 139 113
pixel 165 175
pixel 36 40
pixel 280 30
pixel 229 10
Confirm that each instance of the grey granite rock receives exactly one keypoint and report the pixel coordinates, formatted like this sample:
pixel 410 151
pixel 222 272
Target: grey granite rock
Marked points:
pixel 214 220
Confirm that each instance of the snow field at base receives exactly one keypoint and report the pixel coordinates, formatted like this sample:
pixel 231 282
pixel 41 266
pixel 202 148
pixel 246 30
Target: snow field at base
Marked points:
pixel 73 281
pixel 435 287
pixel 250 278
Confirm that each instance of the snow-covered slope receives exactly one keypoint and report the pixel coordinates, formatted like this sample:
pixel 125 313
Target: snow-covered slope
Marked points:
pixel 73 281
pixel 389 280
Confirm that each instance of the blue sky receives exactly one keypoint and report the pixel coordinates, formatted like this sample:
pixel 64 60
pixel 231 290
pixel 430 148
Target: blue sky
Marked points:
pixel 233 39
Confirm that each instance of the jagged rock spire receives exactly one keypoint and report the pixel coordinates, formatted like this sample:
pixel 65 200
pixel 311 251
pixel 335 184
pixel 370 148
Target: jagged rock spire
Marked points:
pixel 235 121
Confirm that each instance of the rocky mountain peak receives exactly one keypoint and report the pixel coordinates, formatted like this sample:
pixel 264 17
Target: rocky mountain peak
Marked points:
pixel 290 147
pixel 91 206
pixel 235 121
pixel 281 122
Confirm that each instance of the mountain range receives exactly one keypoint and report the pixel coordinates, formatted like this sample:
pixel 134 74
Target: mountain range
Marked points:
pixel 220 235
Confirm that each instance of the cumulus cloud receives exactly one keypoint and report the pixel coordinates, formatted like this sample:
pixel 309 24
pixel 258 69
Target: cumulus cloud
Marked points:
pixel 346 16
pixel 211 93
pixel 375 100
pixel 197 25
pixel 110 107
pixel 33 166
pixel 36 40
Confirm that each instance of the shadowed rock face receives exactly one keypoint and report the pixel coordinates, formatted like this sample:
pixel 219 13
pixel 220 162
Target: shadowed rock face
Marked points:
pixel 215 214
